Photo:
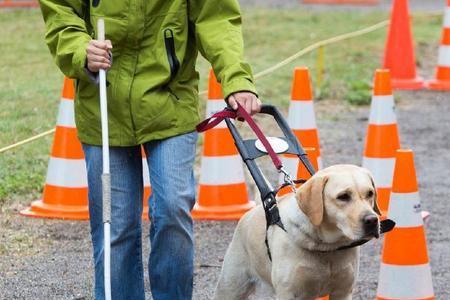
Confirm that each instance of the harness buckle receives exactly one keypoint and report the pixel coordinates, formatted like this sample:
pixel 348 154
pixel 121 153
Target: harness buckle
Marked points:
pixel 288 179
pixel 272 212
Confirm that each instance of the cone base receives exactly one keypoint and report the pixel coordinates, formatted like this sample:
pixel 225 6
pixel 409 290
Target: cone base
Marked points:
pixel 438 85
pixel 39 209
pixel 221 213
pixel 408 84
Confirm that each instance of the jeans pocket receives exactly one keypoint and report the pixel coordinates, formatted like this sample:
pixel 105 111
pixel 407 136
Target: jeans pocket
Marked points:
pixel 192 137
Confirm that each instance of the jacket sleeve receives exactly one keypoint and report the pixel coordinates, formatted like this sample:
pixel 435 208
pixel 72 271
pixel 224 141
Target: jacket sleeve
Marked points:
pixel 66 35
pixel 218 32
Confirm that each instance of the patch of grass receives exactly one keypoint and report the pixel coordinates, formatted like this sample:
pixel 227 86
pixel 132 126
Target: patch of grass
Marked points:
pixel 359 92
pixel 30 83
pixel 30 86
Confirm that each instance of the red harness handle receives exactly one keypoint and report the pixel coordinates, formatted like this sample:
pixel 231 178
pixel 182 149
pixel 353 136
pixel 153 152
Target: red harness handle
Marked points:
pixel 218 117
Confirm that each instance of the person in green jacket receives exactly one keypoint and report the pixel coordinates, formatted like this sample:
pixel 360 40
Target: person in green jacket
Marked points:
pixel 150 56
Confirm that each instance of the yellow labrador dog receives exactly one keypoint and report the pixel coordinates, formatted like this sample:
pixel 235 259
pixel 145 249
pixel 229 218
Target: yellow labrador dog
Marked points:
pixel 335 208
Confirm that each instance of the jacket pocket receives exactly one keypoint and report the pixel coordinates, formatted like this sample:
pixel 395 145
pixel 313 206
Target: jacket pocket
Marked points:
pixel 174 63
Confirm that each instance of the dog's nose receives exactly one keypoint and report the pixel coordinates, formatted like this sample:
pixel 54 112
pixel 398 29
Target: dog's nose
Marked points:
pixel 370 221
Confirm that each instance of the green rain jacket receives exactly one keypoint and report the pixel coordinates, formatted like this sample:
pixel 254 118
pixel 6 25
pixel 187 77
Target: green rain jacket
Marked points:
pixel 152 84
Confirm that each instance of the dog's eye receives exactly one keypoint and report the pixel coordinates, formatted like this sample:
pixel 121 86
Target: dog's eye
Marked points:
pixel 344 197
pixel 369 194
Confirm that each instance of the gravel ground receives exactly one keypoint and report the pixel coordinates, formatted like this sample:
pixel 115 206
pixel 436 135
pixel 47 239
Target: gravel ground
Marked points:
pixel 53 260
pixel 50 259
pixel 415 5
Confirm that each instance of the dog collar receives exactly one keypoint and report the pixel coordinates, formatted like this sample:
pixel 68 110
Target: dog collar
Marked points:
pixel 385 226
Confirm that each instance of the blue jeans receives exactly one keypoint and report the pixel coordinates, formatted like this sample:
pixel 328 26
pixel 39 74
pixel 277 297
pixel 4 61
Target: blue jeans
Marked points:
pixel 170 267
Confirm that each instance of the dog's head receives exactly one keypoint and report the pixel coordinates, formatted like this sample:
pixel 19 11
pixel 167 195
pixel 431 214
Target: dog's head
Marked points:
pixel 341 202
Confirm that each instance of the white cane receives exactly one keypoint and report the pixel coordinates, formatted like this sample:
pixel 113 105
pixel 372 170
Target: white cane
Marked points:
pixel 106 177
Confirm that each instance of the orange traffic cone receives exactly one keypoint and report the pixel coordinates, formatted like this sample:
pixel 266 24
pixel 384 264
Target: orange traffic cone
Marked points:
pixel 313 157
pixel 13 3
pixel 147 188
pixel 399 53
pixel 442 80
pixel 302 119
pixel 405 271
pixel 222 193
pixel 382 139
pixel 65 192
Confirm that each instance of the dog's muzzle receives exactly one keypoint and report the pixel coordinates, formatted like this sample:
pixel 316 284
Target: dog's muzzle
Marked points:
pixel 371 225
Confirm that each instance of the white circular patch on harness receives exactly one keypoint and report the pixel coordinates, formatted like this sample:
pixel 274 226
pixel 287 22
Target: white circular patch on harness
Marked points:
pixel 278 145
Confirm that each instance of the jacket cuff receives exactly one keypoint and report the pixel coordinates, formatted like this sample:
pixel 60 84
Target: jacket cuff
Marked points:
pixel 93 77
pixel 238 85
pixel 79 64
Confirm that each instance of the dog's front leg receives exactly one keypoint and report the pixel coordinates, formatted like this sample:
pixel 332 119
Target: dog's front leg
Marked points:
pixel 235 282
pixel 290 289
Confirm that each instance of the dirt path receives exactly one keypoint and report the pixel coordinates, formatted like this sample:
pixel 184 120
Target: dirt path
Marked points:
pixel 44 259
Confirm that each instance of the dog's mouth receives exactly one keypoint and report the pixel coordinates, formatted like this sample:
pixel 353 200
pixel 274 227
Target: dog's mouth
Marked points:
pixel 375 233
pixel 371 232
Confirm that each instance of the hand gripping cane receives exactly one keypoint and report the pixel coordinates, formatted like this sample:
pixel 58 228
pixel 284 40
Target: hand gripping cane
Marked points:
pixel 106 177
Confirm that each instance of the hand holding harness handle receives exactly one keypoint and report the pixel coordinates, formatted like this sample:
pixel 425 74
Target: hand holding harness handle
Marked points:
pixel 247 148
pixel 249 152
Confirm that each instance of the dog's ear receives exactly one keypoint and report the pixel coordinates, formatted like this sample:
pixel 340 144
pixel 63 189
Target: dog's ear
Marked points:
pixel 375 199
pixel 310 198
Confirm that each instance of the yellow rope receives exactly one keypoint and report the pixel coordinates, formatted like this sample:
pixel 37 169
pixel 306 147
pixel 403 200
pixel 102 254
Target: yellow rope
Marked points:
pixel 263 73
pixel 326 42
pixel 33 138
pixel 313 47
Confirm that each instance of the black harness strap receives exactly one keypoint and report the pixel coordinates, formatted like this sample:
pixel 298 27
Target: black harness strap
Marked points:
pixel 249 152
pixel 272 213
pixel 272 217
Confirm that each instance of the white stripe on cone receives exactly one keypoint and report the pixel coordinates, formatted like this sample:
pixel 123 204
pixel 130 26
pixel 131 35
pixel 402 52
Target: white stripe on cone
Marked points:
pixel 382 110
pixel 213 106
pixel 447 18
pixel 405 210
pixel 405 282
pixel 320 163
pixel 66 172
pixel 382 170
pixel 444 56
pixel 301 115
pixel 145 172
pixel 66 114
pixel 221 170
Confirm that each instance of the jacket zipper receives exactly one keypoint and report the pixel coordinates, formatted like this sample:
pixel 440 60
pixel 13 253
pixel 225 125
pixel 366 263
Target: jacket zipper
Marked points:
pixel 174 63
